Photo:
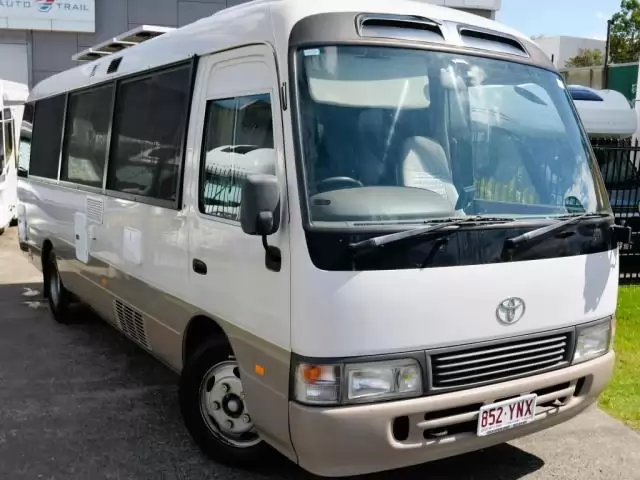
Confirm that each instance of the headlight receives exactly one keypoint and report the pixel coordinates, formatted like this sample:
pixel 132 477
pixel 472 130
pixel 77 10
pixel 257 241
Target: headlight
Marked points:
pixel 593 341
pixel 357 382
pixel 382 380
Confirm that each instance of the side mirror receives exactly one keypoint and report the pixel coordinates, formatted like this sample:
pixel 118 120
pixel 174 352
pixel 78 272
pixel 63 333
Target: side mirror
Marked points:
pixel 621 234
pixel 260 206
pixel 23 172
pixel 260 213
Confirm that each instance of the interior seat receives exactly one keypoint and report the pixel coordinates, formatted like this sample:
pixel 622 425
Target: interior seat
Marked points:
pixel 425 165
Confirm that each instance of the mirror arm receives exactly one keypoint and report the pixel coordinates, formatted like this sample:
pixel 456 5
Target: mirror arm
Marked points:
pixel 272 257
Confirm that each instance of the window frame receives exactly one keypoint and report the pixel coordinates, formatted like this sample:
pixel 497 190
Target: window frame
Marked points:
pixel 65 146
pixel 171 204
pixel 176 204
pixel 203 148
pixel 33 122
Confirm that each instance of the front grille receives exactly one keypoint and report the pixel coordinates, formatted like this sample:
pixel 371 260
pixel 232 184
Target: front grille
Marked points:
pixel 479 365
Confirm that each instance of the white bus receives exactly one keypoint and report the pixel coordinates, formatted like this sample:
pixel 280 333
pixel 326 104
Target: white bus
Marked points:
pixel 325 219
pixel 12 98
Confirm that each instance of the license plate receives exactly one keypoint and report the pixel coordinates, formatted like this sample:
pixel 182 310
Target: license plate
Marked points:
pixel 501 416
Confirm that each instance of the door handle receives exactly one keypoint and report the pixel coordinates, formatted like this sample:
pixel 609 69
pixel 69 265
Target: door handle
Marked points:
pixel 199 267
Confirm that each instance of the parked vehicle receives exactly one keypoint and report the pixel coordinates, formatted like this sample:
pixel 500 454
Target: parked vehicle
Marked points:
pixel 349 248
pixel 604 113
pixel 12 98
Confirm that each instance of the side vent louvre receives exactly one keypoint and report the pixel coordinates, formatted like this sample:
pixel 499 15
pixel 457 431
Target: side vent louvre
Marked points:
pixel 113 66
pixel 488 40
pixel 131 322
pixel 95 209
pixel 399 26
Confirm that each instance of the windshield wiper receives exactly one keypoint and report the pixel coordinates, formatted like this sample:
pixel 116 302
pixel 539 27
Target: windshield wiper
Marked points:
pixel 441 225
pixel 548 230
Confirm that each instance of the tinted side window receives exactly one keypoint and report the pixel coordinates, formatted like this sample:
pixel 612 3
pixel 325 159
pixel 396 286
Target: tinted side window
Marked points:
pixel 24 153
pixel 86 137
pixel 47 133
pixel 238 142
pixel 149 128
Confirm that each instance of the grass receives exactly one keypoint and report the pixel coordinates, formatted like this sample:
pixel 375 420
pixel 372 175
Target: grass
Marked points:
pixel 622 398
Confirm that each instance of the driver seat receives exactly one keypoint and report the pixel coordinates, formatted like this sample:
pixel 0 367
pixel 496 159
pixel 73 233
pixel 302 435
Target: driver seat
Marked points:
pixel 425 165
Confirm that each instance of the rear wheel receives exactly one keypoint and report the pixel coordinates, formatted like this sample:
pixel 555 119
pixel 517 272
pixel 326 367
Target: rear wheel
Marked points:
pixel 59 296
pixel 212 400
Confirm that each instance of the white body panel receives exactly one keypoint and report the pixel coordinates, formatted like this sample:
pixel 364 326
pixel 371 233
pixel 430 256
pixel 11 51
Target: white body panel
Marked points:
pixel 362 313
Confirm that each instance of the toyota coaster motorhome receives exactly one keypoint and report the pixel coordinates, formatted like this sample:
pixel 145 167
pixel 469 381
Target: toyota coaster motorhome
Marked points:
pixel 329 219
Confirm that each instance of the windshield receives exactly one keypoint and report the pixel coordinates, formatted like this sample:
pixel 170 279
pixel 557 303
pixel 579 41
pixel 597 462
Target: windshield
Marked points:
pixel 394 134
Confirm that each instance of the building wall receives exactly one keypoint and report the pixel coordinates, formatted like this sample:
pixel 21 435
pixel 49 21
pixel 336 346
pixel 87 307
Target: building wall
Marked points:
pixel 562 48
pixel 30 57
pixel 52 51
pixel 14 56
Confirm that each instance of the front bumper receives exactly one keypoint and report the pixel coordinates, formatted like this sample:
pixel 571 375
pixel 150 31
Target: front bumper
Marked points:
pixel 360 439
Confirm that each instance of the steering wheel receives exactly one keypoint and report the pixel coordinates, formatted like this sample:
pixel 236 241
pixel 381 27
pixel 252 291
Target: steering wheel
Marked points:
pixel 346 181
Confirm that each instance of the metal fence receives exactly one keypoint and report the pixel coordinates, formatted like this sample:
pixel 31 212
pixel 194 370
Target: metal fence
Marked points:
pixel 223 191
pixel 619 161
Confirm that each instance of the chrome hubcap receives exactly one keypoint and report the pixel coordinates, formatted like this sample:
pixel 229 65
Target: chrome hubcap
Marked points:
pixel 223 407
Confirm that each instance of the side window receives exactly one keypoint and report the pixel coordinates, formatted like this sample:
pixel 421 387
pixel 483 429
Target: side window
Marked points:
pixel 47 135
pixel 24 153
pixel 86 137
pixel 238 142
pixel 148 134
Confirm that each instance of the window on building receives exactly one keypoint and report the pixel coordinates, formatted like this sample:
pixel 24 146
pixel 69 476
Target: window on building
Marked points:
pixel 49 117
pixel 148 134
pixel 24 152
pixel 86 137
pixel 238 142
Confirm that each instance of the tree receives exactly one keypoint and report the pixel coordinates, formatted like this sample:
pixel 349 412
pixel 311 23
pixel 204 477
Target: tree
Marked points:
pixel 625 33
pixel 586 57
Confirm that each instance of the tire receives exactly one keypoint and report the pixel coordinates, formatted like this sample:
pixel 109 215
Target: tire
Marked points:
pixel 198 395
pixel 59 297
pixel 14 222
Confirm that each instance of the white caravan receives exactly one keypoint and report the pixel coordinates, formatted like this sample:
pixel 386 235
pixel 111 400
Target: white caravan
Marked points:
pixel 604 113
pixel 326 219
pixel 12 98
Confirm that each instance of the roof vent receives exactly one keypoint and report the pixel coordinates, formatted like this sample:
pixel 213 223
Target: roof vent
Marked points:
pixel 489 40
pixel 123 41
pixel 399 26
pixel 113 66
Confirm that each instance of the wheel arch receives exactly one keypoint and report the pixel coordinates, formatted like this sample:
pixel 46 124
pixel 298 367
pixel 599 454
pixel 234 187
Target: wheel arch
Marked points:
pixel 200 329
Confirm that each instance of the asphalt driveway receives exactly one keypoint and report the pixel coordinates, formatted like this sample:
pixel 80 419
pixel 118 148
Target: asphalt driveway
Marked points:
pixel 82 402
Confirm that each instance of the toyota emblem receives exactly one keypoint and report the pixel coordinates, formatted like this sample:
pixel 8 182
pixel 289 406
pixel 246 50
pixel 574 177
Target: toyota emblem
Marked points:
pixel 510 310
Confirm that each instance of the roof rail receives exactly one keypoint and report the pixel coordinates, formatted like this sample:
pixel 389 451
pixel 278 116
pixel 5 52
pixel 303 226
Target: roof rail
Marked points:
pixel 124 40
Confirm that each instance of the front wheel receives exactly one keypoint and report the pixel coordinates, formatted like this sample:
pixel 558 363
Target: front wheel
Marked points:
pixel 212 400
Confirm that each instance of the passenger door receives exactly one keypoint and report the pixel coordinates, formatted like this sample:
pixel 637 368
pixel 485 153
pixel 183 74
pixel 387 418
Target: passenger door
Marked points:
pixel 236 130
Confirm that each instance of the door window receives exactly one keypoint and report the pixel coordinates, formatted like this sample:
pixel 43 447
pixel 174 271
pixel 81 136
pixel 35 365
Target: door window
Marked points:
pixel 238 141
